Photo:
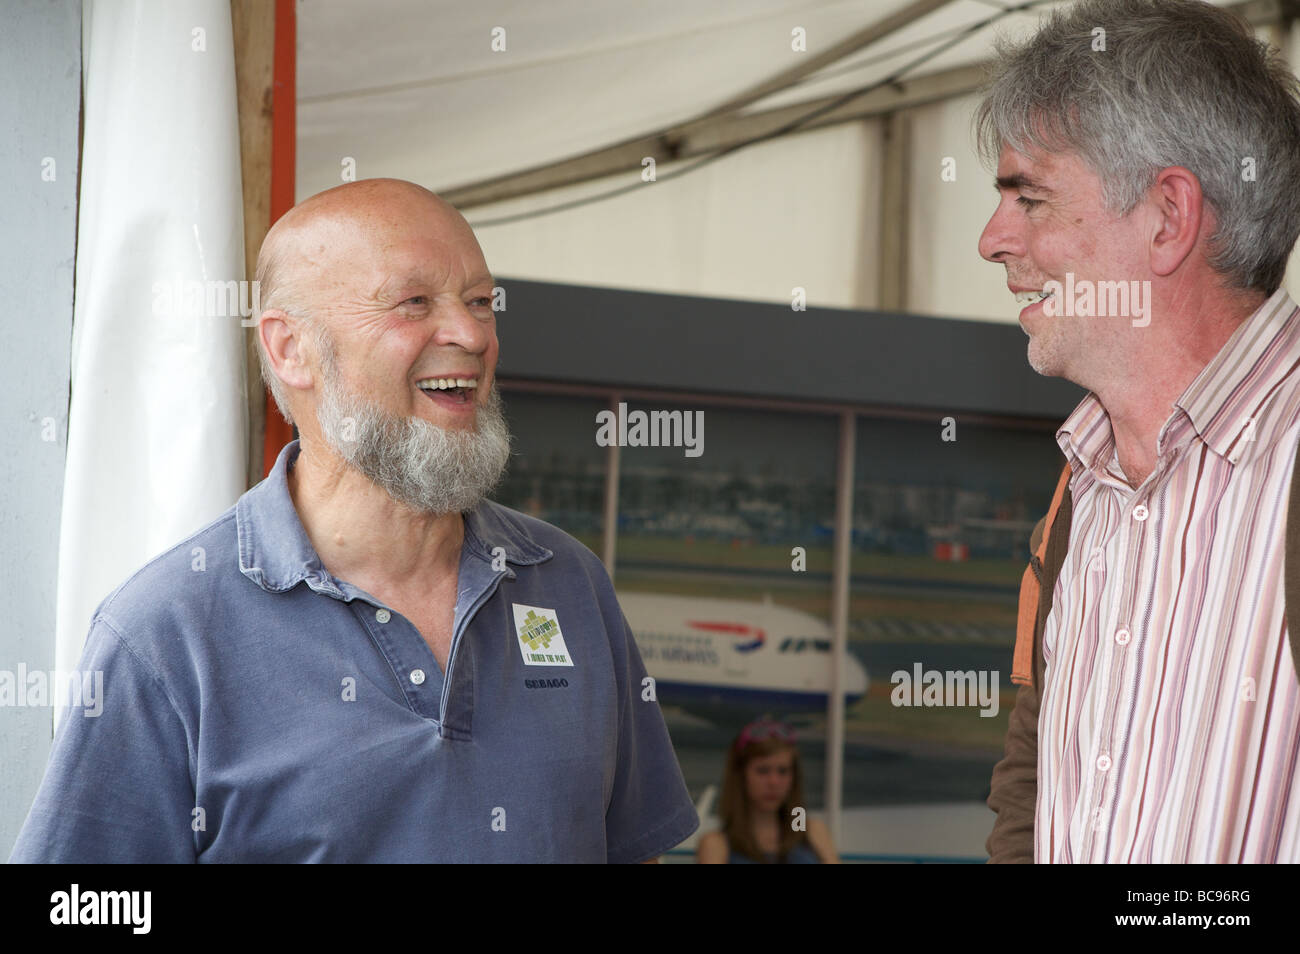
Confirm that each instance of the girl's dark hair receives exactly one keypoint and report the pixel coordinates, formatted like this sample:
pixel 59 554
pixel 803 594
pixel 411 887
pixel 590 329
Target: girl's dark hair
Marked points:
pixel 735 811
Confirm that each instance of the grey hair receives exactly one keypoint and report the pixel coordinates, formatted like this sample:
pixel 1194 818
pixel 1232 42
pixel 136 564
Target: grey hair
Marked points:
pixel 275 292
pixel 1178 84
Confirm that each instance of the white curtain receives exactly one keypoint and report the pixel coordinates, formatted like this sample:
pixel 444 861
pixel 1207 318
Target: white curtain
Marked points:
pixel 157 426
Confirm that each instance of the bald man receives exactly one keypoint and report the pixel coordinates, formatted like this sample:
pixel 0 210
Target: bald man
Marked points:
pixel 372 662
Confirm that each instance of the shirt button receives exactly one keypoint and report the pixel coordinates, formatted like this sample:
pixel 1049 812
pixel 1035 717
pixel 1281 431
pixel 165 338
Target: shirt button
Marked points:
pixel 1140 512
pixel 383 616
pixel 417 676
pixel 1122 636
pixel 1103 763
pixel 1098 561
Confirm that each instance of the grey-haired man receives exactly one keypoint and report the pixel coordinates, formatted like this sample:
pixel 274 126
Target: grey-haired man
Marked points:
pixel 1148 155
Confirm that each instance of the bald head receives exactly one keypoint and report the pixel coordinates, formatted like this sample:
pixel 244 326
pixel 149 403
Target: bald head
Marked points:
pixel 347 245
pixel 324 232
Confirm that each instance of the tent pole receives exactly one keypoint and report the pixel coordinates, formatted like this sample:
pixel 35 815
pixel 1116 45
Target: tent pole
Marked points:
pixel 840 579
pixel 283 157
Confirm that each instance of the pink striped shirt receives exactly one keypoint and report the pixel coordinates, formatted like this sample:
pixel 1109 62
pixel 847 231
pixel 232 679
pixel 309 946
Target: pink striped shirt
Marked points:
pixel 1169 727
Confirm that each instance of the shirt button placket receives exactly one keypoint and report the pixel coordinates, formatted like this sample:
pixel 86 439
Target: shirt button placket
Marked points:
pixel 417 676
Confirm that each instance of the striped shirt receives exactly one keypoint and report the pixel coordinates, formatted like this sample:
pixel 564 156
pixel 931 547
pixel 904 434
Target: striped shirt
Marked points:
pixel 1169 726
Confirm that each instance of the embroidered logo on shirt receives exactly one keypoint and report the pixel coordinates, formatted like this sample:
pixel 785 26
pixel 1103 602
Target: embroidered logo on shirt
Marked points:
pixel 540 641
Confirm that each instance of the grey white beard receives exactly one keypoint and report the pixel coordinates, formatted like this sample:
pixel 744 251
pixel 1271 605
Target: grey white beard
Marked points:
pixel 428 468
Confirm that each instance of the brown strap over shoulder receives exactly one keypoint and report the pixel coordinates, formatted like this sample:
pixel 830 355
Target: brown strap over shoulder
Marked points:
pixel 1022 662
pixel 1291 564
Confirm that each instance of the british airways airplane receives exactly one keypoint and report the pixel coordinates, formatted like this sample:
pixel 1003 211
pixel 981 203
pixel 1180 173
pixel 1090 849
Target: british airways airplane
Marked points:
pixel 736 654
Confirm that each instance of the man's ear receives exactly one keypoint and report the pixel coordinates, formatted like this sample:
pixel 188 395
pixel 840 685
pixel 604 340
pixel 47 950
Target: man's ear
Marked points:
pixel 1180 207
pixel 281 338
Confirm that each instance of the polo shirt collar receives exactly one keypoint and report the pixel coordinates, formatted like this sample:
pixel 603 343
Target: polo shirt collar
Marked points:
pixel 276 553
pixel 1222 400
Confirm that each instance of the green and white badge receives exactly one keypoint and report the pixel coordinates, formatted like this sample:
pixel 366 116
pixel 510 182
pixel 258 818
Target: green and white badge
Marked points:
pixel 540 641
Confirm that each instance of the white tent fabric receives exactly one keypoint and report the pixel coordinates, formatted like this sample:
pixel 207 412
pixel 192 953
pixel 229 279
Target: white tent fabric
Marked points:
pixel 413 89
pixel 157 430
pixel 751 227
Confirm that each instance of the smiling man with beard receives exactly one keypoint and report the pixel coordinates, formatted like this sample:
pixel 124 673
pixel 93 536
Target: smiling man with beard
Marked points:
pixel 365 659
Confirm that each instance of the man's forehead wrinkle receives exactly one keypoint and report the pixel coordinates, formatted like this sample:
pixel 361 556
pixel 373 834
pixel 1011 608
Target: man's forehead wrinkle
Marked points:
pixel 443 261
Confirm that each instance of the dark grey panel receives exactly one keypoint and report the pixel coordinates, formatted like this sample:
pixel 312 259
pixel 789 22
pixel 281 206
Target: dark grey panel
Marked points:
pixel 575 334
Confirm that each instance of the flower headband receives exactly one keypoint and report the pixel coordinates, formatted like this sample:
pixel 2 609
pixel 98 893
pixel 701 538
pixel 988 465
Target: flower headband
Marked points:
pixel 761 729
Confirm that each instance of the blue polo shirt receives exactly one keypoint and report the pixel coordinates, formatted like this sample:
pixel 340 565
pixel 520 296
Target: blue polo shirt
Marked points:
pixel 257 709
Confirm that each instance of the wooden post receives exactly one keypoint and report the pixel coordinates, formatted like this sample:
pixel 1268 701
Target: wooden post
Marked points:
pixel 284 151
pixel 253 25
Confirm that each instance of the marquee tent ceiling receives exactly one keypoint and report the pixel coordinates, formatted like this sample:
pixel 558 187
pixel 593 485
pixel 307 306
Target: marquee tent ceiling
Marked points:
pixel 414 89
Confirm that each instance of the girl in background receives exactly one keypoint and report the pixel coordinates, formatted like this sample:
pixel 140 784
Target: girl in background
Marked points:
pixel 761 787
